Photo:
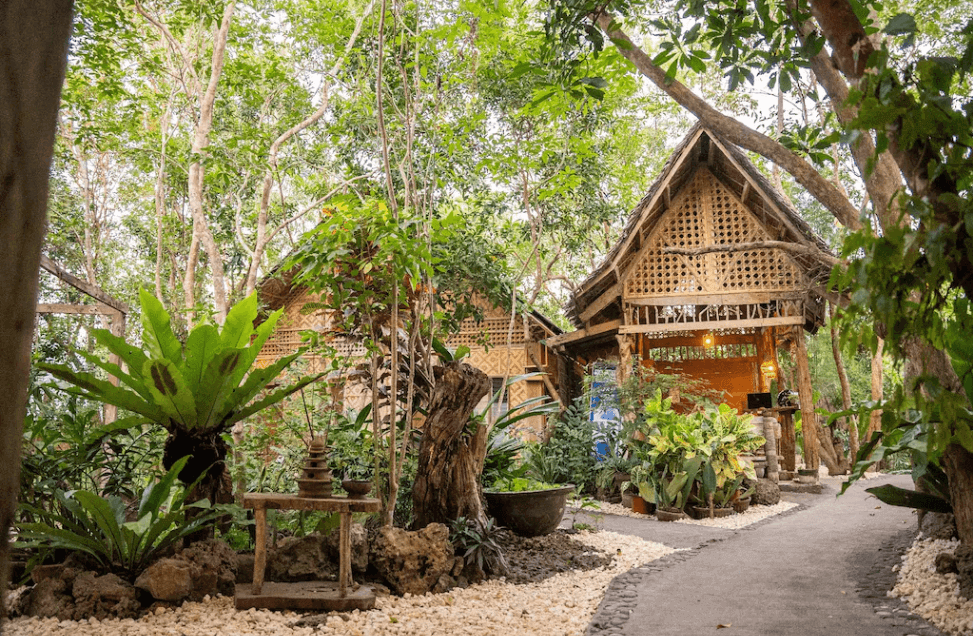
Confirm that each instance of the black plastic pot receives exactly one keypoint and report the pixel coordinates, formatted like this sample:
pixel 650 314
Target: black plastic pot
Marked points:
pixel 531 513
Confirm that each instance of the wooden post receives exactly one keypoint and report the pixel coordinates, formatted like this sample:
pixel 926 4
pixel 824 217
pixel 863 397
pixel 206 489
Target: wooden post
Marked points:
pixel 788 442
pixel 624 359
pixel 260 550
pixel 770 448
pixel 344 554
pixel 809 421
pixel 765 353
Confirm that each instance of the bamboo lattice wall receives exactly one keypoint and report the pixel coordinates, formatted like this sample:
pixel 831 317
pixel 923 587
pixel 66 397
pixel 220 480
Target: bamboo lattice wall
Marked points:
pixel 493 329
pixel 706 213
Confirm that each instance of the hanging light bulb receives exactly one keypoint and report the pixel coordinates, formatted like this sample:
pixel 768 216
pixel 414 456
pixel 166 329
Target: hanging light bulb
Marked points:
pixel 709 339
pixel 768 369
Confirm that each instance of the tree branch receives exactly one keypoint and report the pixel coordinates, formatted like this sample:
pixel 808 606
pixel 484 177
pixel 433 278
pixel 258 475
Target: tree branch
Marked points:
pixel 793 248
pixel 732 130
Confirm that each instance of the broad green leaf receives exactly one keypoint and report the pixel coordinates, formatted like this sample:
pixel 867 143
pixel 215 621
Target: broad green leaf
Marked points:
pixel 895 496
pixel 157 333
pixel 103 513
pixel 202 345
pixel 132 381
pixel 272 399
pixel 901 24
pixel 94 388
pixel 156 494
pixel 129 354
pixel 260 335
pixel 238 326
pixel 216 385
pixel 171 392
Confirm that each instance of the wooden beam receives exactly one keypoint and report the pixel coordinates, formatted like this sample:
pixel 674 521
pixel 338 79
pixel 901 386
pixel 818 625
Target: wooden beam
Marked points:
pixel 606 298
pixel 583 334
pixel 92 290
pixel 736 298
pixel 88 310
pixel 745 193
pixel 712 324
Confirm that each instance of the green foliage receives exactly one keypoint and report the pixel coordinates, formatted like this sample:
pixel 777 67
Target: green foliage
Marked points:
pixel 205 385
pixel 96 525
pixel 523 484
pixel 64 443
pixel 503 446
pixel 568 456
pixel 477 544
pixel 673 450
pixel 895 496
pixel 350 446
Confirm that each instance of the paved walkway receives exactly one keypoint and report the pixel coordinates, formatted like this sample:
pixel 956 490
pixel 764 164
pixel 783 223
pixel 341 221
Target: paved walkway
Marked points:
pixel 821 570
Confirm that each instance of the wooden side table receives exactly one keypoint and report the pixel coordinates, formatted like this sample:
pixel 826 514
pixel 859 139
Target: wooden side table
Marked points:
pixel 313 595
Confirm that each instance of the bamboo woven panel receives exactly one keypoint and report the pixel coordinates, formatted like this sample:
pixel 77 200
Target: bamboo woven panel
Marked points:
pixel 705 213
pixel 493 329
pixel 495 362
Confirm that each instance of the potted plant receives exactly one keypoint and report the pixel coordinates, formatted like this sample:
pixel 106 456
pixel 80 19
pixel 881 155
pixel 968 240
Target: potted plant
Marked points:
pixel 715 498
pixel 352 455
pixel 670 491
pixel 742 500
pixel 529 507
pixel 643 499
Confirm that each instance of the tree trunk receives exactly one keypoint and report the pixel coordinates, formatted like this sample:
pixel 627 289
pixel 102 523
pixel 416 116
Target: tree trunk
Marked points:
pixel 33 52
pixel 809 423
pixel 451 455
pixel 878 391
pixel 958 465
pixel 839 363
pixel 197 171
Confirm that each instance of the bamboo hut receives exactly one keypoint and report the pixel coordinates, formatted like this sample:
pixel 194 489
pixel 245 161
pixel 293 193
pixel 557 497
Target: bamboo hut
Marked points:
pixel 714 271
pixel 499 347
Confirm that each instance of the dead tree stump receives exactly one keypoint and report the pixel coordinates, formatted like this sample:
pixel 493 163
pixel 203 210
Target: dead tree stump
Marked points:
pixel 451 453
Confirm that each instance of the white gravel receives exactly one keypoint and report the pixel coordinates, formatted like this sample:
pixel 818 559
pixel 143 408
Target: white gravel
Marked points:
pixel 931 595
pixel 558 606
pixel 753 514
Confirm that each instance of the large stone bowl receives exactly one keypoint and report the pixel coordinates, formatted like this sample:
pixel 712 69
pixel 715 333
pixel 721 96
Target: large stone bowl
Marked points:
pixel 531 513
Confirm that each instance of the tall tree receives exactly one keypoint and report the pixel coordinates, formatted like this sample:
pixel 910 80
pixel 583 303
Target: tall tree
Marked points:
pixel 33 54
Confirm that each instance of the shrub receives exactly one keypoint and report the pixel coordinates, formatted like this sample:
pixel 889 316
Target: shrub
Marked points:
pixel 96 525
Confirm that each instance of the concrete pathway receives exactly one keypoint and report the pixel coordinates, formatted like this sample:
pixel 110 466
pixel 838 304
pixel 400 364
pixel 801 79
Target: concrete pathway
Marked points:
pixel 820 571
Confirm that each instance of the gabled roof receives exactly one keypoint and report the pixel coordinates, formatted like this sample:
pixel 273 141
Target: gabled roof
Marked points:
pixel 700 148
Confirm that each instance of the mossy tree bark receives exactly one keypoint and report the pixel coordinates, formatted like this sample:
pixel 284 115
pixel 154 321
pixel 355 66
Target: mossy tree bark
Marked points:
pixel 451 452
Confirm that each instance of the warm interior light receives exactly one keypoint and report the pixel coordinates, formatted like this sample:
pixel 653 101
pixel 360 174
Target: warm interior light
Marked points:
pixel 768 369
pixel 708 340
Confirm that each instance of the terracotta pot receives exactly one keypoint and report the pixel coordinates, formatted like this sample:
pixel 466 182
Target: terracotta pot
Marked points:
pixel 669 514
pixel 531 513
pixel 628 499
pixel 704 512
pixel 642 506
pixel 741 505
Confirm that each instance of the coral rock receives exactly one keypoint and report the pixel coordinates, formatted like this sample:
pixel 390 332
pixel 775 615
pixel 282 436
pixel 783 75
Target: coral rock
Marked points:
pixel 413 562
pixel 167 580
